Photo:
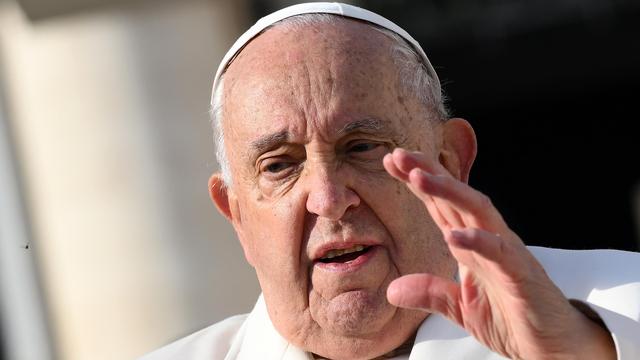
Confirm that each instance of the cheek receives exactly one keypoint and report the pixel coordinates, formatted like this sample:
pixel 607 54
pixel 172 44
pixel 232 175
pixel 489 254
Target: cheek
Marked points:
pixel 418 245
pixel 272 233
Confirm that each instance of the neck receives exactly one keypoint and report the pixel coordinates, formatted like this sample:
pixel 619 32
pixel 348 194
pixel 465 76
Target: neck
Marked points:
pixel 404 348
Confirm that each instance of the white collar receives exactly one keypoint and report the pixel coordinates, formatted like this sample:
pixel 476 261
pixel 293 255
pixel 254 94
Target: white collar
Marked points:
pixel 436 336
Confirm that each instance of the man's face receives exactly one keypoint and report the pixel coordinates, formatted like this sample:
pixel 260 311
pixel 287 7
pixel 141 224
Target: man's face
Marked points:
pixel 308 116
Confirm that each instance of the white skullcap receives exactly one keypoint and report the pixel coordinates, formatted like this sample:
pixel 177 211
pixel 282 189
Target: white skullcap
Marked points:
pixel 345 10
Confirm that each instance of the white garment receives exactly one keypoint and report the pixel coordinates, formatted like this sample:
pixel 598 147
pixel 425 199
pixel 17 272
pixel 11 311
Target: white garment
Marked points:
pixel 607 280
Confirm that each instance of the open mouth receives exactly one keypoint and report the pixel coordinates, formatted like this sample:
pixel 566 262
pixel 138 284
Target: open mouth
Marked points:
pixel 344 255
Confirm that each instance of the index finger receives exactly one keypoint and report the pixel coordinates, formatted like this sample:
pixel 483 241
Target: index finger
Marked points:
pixel 406 161
pixel 475 207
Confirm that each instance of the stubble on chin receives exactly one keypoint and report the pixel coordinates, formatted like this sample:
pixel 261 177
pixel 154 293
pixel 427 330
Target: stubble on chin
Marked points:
pixel 353 343
pixel 357 313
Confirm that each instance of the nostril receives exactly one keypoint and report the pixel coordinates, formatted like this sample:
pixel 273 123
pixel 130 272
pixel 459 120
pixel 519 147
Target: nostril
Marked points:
pixel 329 194
pixel 332 204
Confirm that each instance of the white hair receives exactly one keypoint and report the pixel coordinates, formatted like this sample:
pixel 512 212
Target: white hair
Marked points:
pixel 415 79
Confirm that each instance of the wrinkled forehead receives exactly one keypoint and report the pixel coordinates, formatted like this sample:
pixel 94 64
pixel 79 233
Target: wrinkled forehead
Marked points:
pixel 342 45
pixel 324 9
pixel 311 77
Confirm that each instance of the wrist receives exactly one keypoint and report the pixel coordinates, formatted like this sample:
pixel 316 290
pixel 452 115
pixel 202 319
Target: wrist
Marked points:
pixel 591 338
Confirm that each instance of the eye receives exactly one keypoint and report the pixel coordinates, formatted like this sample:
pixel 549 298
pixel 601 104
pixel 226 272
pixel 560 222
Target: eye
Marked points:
pixel 363 147
pixel 279 167
pixel 276 167
pixel 366 150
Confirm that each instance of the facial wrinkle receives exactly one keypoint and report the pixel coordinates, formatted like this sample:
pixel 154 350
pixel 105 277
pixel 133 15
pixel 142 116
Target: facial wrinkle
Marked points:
pixel 330 83
pixel 302 90
pixel 322 86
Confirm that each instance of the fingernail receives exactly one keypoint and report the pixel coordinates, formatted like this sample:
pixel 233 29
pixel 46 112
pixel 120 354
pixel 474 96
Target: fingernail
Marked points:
pixel 427 174
pixel 456 233
pixel 460 239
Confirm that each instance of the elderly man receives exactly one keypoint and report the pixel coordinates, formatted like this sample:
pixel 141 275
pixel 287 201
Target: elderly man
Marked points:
pixel 345 181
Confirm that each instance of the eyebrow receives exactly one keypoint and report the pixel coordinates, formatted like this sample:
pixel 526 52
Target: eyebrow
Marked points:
pixel 272 141
pixel 268 142
pixel 367 124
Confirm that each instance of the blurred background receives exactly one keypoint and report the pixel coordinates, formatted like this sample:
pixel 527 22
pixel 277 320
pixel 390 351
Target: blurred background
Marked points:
pixel 109 245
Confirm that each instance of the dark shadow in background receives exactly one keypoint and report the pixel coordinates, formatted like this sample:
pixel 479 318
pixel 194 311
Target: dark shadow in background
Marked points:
pixel 551 89
pixel 3 354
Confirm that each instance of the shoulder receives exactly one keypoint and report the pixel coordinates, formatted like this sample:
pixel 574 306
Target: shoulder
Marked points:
pixel 597 266
pixel 213 342
pixel 608 278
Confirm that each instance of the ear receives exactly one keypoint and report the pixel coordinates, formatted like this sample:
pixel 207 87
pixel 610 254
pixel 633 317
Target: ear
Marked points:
pixel 459 148
pixel 227 203
pixel 220 195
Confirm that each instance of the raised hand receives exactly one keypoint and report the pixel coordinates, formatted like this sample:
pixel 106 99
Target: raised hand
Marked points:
pixel 504 297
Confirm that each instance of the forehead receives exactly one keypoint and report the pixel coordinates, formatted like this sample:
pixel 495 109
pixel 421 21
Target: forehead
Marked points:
pixel 286 55
pixel 292 76
pixel 289 43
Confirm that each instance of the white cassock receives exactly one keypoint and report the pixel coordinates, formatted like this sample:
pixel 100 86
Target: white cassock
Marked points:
pixel 607 280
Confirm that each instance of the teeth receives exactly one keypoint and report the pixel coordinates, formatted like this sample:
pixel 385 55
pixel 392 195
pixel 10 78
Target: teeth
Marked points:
pixel 338 252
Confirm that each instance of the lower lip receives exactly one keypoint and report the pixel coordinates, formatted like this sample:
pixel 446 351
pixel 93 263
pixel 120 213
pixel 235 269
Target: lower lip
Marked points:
pixel 352 265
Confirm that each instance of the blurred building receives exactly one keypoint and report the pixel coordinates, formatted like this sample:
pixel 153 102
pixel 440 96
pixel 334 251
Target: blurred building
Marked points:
pixel 105 108
pixel 109 245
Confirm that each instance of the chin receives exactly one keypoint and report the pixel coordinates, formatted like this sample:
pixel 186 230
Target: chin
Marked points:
pixel 366 337
pixel 356 324
pixel 356 314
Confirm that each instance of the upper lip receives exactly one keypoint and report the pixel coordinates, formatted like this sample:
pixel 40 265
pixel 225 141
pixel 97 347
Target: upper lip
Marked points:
pixel 323 249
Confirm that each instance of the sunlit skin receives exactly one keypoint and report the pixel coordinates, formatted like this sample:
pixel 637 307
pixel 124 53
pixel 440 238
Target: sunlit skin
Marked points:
pixel 311 121
pixel 325 183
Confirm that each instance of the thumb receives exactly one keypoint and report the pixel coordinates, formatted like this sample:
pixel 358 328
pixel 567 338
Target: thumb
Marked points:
pixel 426 292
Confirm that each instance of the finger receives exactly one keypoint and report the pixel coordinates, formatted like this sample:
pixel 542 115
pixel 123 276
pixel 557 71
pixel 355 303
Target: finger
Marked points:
pixel 495 249
pixel 429 202
pixel 407 161
pixel 437 216
pixel 448 212
pixel 428 293
pixel 392 169
pixel 474 207
pixel 452 215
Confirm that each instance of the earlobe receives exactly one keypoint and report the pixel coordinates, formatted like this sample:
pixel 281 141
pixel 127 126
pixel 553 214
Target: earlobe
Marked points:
pixel 459 148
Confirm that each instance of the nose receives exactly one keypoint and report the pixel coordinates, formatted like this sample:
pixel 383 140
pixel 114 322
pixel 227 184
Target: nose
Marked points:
pixel 330 195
